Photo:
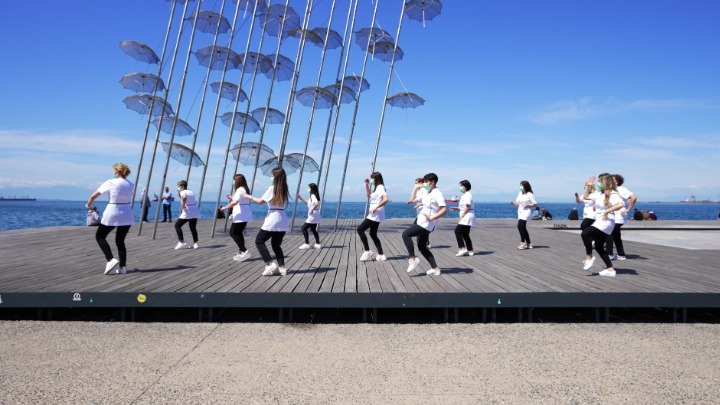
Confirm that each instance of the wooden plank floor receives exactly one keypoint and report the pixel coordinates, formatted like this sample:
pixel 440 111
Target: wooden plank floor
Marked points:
pixel 67 259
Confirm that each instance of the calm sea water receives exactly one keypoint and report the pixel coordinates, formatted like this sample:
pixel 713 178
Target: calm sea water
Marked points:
pixel 44 213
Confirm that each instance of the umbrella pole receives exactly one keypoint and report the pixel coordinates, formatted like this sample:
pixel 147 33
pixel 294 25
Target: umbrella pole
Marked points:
pixel 237 102
pixel 312 114
pixel 347 42
pixel 202 101
pixel 152 102
pixel 387 89
pixel 167 91
pixel 352 125
pixel 177 114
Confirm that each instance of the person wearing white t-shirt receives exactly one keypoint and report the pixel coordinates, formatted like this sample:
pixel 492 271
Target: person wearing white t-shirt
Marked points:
pixel 419 193
pixel 378 199
pixel 607 203
pixel 466 206
pixel 118 214
pixel 189 213
pixel 276 222
pixel 629 199
pixel 313 219
pixel 525 201
pixel 432 207
pixel 588 209
pixel 240 216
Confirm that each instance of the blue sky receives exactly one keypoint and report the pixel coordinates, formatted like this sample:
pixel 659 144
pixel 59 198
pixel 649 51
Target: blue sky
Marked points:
pixel 550 92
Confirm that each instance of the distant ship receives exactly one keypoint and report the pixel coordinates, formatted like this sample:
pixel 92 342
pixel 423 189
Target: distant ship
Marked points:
pixel 453 199
pixel 155 197
pixel 13 198
pixel 693 200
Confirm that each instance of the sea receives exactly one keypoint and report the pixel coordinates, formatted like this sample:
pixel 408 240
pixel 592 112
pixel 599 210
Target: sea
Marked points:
pixel 47 213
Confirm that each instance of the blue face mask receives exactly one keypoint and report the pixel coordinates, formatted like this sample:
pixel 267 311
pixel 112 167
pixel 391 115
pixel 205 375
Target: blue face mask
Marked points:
pixel 522 188
pixel 599 187
pixel 462 190
pixel 372 182
pixel 309 191
pixel 426 187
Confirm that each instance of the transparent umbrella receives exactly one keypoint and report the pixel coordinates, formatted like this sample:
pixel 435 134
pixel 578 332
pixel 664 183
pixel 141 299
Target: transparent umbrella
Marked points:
pixel 183 154
pixel 422 10
pixel 306 96
pixel 273 116
pixel 214 57
pixel 248 152
pixel 383 50
pixel 142 82
pixel 241 119
pixel 405 100
pixel 142 103
pixel 365 37
pixel 290 164
pixel 314 38
pixel 355 83
pixel 139 51
pixel 209 22
pixel 284 67
pixel 256 60
pixel 272 20
pixel 165 124
pixel 347 95
pixel 310 163
pixel 247 6
pixel 334 40
pixel 228 90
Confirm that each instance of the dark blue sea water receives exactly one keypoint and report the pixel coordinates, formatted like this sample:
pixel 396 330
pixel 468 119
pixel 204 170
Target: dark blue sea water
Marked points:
pixel 44 213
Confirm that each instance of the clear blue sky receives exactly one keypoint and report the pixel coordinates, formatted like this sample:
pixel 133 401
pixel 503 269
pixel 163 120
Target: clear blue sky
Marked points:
pixel 549 92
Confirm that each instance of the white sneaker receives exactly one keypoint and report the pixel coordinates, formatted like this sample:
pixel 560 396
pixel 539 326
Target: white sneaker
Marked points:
pixel 529 246
pixel 621 257
pixel 193 246
pixel 270 269
pixel 613 257
pixel 180 245
pixel 111 265
pixel 461 252
pixel 317 246
pixel 607 273
pixel 283 271
pixel 522 246
pixel 366 256
pixel 587 264
pixel 381 258
pixel 121 270
pixel 433 272
pixel 244 255
pixel 304 246
pixel 429 246
pixel 238 257
pixel 412 263
pixel 471 253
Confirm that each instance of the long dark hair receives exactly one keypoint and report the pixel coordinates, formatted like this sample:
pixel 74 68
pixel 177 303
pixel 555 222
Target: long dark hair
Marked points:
pixel 280 191
pixel 527 188
pixel 241 182
pixel 314 190
pixel 377 178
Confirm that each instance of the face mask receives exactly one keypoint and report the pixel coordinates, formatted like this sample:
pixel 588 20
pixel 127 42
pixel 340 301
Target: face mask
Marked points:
pixel 309 191
pixel 522 188
pixel 426 187
pixel 272 178
pixel 179 189
pixel 372 182
pixel 115 175
pixel 599 187
pixel 462 190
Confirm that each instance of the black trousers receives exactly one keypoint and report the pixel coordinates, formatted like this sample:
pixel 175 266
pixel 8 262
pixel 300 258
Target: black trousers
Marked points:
pixel 193 229
pixel 462 234
pixel 167 212
pixel 586 222
pixel 373 225
pixel 415 222
pixel 144 214
pixel 522 228
pixel 616 237
pixel 313 229
pixel 276 239
pixel 422 235
pixel 103 231
pixel 591 234
pixel 236 232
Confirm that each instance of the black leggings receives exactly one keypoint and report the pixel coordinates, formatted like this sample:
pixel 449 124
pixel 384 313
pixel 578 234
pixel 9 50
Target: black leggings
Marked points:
pixel 313 228
pixel 103 231
pixel 522 228
pixel 193 228
pixel 586 222
pixel 373 225
pixel 616 237
pixel 236 232
pixel 422 235
pixel 462 234
pixel 591 234
pixel 276 239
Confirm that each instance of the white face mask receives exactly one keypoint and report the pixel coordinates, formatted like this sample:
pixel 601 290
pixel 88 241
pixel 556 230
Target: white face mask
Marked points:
pixel 309 191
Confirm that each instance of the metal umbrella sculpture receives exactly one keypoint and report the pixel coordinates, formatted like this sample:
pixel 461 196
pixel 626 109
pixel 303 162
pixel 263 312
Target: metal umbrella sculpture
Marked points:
pixel 278 20
pixel 139 51
pixel 356 83
pixel 228 91
pixel 405 100
pixel 384 51
pixel 366 37
pixel 142 82
pixel 248 123
pixel 255 61
pixel 214 57
pixel 273 116
pixel 182 154
pixel 210 22
pixel 290 164
pixel 248 152
pixel 321 97
pixel 282 70
pixel 332 40
pixel 309 165
pixel 166 123
pixel 147 104
pixel 422 10
pixel 308 36
pixel 346 94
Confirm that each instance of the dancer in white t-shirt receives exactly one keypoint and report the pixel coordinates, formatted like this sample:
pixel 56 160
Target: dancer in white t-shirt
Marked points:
pixel 313 219
pixel 276 222
pixel 432 207
pixel 525 201
pixel 419 192
pixel 378 199
pixel 629 199
pixel 240 216
pixel 189 213
pixel 466 206
pixel 607 202
pixel 588 209
pixel 118 214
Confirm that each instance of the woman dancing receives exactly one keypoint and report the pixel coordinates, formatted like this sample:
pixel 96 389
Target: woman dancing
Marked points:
pixel 466 221
pixel 378 199
pixel 241 215
pixel 433 207
pixel 607 200
pixel 313 219
pixel 525 201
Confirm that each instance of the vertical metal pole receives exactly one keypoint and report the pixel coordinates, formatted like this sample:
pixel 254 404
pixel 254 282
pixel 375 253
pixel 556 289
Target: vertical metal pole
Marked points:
pixel 352 125
pixel 167 92
pixel 177 113
pixel 312 114
pixel 152 103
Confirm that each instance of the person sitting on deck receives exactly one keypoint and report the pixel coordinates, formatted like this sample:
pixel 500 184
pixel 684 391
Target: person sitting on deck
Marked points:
pixel 637 215
pixel 573 215
pixel 546 215
pixel 652 216
pixel 93 218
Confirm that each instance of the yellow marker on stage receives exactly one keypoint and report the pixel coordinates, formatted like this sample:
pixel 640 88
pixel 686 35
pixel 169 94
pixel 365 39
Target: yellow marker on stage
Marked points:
pixel 141 298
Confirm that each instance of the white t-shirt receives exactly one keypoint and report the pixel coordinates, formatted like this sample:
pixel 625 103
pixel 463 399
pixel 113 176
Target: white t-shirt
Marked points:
pixel 276 219
pixel 418 197
pixel 431 203
pixel 607 225
pixel 375 199
pixel 523 199
pixel 589 209
pixel 467 201
pixel 241 211
pixel 191 210
pixel 625 194
pixel 313 217
pixel 118 211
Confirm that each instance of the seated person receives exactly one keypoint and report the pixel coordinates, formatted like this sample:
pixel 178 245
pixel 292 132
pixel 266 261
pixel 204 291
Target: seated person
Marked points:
pixel 93 218
pixel 537 214
pixel 637 215
pixel 652 216
pixel 644 215
pixel 546 215
pixel 573 215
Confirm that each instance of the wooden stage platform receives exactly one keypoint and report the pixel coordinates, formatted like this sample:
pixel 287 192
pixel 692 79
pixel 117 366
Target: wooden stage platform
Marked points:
pixel 62 267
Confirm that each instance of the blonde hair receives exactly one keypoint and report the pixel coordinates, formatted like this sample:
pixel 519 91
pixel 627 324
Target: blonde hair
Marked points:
pixel 608 184
pixel 122 169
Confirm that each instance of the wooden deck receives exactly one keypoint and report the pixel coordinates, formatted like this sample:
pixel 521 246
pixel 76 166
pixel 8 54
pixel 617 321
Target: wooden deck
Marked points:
pixel 63 267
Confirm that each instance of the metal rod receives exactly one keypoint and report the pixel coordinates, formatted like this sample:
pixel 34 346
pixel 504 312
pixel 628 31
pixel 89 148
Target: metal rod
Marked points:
pixel 352 125
pixel 312 114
